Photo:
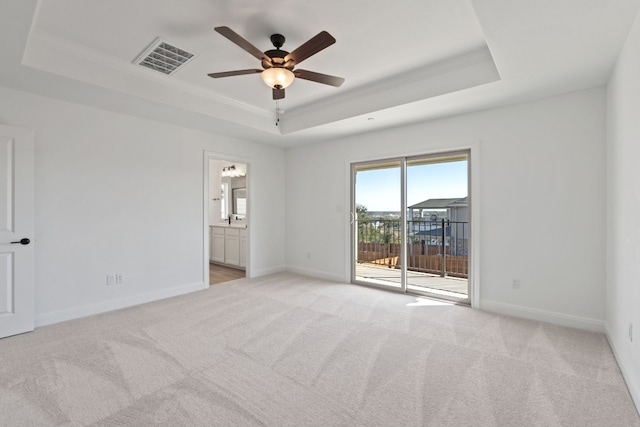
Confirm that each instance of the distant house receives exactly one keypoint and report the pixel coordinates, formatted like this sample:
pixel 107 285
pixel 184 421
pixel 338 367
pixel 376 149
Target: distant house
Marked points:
pixel 455 209
pixel 424 223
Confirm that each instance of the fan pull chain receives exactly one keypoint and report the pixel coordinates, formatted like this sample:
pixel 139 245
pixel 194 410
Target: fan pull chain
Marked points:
pixel 277 113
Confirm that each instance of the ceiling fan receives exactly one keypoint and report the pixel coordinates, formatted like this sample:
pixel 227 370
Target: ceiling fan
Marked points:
pixel 279 65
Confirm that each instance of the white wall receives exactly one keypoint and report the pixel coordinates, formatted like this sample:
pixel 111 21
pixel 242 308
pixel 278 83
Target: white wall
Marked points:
pixel 116 193
pixel 623 205
pixel 535 158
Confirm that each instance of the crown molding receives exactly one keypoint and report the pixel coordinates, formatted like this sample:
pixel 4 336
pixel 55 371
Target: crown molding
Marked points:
pixel 469 59
pixel 457 73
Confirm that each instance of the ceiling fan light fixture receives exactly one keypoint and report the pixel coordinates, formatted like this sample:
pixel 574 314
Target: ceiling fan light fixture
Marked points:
pixel 278 64
pixel 276 76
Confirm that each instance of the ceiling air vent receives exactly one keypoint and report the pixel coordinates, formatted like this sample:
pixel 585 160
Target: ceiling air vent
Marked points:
pixel 164 57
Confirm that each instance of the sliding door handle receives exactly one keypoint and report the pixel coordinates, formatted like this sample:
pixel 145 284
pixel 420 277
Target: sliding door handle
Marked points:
pixel 24 241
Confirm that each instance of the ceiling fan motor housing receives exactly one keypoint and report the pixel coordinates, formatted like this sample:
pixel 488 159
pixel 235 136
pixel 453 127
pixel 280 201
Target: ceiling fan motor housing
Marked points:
pixel 277 55
pixel 277 59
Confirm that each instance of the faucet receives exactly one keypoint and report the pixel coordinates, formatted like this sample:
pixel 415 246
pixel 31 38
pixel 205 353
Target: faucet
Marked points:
pixel 229 219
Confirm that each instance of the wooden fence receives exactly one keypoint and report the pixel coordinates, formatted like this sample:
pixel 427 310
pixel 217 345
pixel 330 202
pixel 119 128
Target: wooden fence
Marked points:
pixel 420 257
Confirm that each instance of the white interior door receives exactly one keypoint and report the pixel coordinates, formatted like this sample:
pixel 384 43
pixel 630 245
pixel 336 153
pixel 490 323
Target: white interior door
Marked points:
pixel 16 231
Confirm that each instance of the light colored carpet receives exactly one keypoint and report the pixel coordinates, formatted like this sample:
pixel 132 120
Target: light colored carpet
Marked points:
pixel 290 350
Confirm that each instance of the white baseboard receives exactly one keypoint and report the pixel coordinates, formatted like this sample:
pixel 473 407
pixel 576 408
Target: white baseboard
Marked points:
pixel 114 304
pixel 320 274
pixel 625 367
pixel 556 318
pixel 255 272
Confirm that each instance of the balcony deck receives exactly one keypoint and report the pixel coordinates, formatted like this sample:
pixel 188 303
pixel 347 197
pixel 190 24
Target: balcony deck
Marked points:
pixel 450 287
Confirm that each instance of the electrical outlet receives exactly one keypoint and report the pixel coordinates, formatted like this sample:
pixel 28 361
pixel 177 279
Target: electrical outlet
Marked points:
pixel 515 284
pixel 631 332
pixel 119 278
pixel 111 279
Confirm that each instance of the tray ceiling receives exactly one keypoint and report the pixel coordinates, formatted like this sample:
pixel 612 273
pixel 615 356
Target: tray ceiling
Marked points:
pixel 403 61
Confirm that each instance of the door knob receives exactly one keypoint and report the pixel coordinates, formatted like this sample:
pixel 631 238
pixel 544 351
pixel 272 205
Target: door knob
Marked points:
pixel 24 241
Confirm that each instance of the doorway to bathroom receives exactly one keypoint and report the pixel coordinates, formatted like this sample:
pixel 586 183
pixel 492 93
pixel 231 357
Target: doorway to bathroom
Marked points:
pixel 226 219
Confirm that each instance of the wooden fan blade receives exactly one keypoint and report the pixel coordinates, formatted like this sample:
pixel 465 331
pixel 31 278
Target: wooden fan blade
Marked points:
pixel 243 43
pixel 319 77
pixel 234 73
pixel 278 93
pixel 321 41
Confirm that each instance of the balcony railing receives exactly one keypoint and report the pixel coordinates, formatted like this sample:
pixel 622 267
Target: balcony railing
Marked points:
pixel 436 247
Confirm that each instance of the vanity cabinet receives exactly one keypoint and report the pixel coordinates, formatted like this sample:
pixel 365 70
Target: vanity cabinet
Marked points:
pixel 216 244
pixel 228 245
pixel 232 246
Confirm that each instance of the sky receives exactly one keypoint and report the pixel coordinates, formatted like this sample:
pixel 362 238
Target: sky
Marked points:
pixel 379 190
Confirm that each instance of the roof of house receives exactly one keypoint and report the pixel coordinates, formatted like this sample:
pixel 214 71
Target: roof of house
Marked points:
pixel 441 203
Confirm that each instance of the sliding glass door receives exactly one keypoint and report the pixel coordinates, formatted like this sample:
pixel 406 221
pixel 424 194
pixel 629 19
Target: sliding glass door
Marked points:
pixel 438 225
pixel 410 228
pixel 377 223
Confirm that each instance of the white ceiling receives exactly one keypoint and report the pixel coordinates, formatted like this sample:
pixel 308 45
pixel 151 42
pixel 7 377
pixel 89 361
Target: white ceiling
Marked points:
pixel 403 61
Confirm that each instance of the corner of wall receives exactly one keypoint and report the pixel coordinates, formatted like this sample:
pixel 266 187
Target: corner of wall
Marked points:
pixel 632 385
pixel 562 319
pixel 266 271
pixel 317 274
pixel 622 304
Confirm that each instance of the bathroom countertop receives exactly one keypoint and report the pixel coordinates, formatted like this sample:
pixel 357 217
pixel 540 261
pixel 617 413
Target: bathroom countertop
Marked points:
pixel 232 225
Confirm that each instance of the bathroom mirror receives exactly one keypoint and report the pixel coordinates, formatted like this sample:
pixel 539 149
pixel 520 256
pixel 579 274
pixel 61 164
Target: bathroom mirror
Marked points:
pixel 239 196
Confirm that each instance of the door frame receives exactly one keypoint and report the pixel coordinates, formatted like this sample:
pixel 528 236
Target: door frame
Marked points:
pixel 353 233
pixel 473 147
pixel 213 155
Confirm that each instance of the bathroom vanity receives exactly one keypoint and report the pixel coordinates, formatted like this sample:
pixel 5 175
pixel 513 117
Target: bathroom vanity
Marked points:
pixel 228 244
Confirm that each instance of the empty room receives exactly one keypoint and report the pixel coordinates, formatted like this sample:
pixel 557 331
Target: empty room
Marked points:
pixel 320 213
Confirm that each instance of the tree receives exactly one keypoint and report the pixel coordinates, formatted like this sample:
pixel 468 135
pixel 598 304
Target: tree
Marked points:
pixel 362 212
pixel 363 219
